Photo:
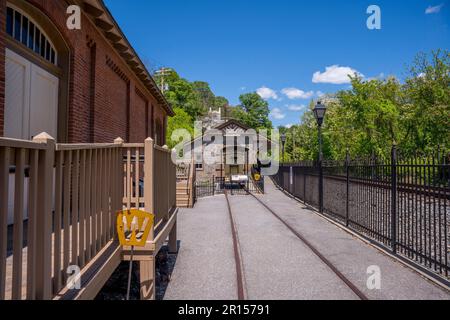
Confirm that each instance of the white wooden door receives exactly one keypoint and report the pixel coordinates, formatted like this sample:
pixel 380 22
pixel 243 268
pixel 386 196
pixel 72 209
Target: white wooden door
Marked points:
pixel 43 102
pixel 17 96
pixel 31 108
pixel 31 99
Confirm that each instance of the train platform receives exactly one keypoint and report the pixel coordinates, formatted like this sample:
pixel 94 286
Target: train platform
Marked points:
pixel 294 255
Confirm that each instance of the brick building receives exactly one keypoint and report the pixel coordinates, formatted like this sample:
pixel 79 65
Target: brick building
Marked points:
pixel 80 86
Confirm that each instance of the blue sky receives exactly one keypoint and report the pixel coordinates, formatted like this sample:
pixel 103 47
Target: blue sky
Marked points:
pixel 290 50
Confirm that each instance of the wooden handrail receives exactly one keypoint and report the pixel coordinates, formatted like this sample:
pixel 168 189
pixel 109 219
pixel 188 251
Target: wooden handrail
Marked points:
pixel 70 194
pixel 133 145
pixel 73 147
pixel 24 144
pixel 163 149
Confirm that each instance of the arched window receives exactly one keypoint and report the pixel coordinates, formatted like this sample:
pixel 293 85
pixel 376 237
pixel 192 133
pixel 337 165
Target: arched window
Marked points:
pixel 26 31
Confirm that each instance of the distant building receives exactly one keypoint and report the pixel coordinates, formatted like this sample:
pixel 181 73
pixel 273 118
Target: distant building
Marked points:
pixel 213 158
pixel 213 119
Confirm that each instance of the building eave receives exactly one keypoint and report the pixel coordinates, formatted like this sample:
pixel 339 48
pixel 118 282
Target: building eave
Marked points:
pixel 105 23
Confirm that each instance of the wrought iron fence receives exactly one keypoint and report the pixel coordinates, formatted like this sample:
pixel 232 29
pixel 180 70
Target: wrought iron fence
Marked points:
pixel 402 203
pixel 218 185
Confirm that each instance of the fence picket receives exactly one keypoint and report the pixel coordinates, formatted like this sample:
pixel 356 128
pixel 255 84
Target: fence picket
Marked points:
pixel 58 221
pixel 4 187
pixel 75 207
pixel 72 221
pixel 18 225
pixel 31 226
pixel 401 203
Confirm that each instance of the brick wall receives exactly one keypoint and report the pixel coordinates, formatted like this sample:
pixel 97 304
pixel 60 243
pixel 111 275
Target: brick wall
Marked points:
pixel 2 62
pixel 103 104
pixel 138 113
pixel 113 114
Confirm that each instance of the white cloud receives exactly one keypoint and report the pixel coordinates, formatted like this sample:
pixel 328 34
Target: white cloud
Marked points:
pixel 335 75
pixel 381 76
pixel 320 94
pixel 294 93
pixel 434 9
pixel 294 107
pixel 288 126
pixel 267 93
pixel 277 114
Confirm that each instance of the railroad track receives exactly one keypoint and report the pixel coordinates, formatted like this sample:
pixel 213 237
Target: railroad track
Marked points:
pixel 240 276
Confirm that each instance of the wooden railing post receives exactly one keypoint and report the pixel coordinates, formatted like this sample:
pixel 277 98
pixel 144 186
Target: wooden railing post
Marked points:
pixel 173 165
pixel 5 159
pixel 147 267
pixel 44 218
pixel 173 245
pixel 166 182
pixel 118 191
pixel 149 167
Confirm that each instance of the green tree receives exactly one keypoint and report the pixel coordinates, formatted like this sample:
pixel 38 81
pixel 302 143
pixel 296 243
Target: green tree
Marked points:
pixel 253 111
pixel 205 94
pixel 181 120
pixel 426 115
pixel 368 118
pixel 182 94
pixel 223 104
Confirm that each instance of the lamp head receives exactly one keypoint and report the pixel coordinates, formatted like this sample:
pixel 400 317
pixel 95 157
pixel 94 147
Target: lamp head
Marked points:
pixel 319 112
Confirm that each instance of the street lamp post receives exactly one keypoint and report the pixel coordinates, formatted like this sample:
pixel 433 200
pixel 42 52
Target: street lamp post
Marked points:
pixel 319 113
pixel 283 143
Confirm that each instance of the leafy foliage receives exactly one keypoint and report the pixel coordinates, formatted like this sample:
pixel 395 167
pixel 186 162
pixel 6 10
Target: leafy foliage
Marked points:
pixel 182 120
pixel 253 111
pixel 368 118
pixel 192 100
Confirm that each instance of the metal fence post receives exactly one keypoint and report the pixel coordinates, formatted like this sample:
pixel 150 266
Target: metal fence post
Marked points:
pixel 304 185
pixel 281 170
pixel 394 199
pixel 347 199
pixel 320 185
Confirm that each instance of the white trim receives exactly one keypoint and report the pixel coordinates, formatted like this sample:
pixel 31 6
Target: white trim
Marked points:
pixel 37 26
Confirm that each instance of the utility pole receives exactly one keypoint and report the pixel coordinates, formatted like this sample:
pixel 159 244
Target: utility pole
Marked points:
pixel 163 72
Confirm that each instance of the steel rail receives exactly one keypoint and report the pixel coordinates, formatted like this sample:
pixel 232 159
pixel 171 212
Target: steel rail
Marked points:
pixel 333 268
pixel 240 277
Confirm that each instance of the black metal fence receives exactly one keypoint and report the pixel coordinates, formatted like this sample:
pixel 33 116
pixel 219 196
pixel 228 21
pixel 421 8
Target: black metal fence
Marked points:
pixel 218 185
pixel 402 204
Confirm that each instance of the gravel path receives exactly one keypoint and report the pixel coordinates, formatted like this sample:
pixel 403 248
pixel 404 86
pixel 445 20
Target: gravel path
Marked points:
pixel 351 255
pixel 205 266
pixel 277 265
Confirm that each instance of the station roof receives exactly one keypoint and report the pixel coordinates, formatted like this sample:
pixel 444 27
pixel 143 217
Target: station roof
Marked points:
pixel 105 22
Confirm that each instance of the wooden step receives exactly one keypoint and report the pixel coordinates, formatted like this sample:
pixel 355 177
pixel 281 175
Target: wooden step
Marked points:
pixel 183 204
pixel 182 195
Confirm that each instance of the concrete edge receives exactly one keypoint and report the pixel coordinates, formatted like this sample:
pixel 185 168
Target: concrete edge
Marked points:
pixel 369 242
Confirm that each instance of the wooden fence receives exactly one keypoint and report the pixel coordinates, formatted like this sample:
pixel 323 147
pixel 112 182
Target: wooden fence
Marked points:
pixel 63 199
